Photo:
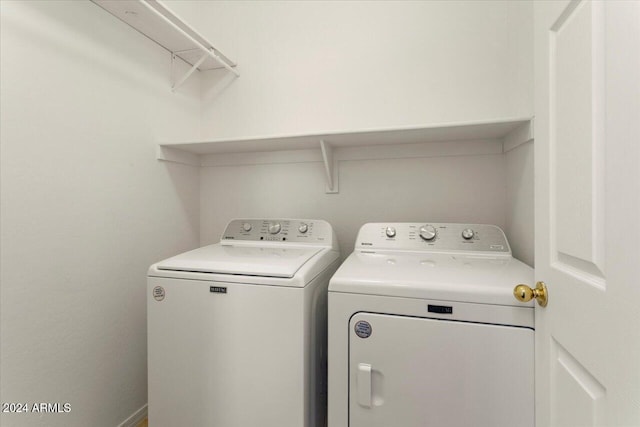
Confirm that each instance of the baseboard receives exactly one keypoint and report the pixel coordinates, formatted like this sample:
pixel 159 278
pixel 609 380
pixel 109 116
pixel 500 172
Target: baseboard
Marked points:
pixel 135 418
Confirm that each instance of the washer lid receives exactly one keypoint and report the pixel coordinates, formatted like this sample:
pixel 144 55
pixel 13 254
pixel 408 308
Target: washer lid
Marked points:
pixel 446 277
pixel 264 261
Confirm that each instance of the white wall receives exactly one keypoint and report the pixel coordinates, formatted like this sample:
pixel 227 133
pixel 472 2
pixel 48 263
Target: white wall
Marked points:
pixel 85 207
pixel 520 223
pixel 519 83
pixel 437 189
pixel 311 67
pixel 519 161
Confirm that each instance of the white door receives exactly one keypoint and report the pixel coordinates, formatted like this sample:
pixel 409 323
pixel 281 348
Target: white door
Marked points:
pixel 587 201
pixel 414 372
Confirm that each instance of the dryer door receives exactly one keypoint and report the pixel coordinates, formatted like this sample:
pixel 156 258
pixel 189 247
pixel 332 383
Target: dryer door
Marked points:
pixel 416 372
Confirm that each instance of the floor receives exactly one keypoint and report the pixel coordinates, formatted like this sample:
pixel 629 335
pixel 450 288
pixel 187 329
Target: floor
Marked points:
pixel 144 423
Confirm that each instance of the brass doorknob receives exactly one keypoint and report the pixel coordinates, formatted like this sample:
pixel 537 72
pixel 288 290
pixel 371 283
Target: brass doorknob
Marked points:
pixel 523 293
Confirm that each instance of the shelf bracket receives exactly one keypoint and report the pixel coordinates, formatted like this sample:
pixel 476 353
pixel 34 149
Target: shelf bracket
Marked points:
pixel 330 167
pixel 225 64
pixel 207 51
pixel 176 85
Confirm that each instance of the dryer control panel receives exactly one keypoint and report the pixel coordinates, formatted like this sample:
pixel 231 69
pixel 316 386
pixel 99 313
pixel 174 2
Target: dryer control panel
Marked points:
pixel 436 237
pixel 314 231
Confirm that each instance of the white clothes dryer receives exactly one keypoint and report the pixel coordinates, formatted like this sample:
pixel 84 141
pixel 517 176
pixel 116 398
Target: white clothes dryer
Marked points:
pixel 237 330
pixel 424 330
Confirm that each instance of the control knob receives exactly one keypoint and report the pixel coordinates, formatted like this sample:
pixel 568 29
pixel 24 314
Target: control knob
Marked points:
pixel 303 228
pixel 390 232
pixel 428 232
pixel 274 228
pixel 468 233
pixel 246 226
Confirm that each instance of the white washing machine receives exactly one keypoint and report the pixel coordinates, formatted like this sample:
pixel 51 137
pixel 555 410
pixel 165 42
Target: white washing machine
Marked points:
pixel 424 330
pixel 237 330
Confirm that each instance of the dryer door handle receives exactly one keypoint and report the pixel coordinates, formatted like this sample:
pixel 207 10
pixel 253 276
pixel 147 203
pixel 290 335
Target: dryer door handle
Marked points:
pixel 363 384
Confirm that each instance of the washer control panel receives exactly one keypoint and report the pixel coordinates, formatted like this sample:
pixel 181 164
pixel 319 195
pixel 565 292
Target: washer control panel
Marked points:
pixel 279 230
pixel 429 236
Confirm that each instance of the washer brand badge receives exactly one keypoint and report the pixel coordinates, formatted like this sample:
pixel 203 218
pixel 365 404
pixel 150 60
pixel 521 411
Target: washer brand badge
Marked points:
pixel 158 293
pixel 218 289
pixel 363 329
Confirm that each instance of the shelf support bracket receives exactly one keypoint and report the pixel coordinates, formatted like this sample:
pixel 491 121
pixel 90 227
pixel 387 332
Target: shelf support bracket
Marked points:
pixel 184 78
pixel 330 167
pixel 224 63
pixel 207 51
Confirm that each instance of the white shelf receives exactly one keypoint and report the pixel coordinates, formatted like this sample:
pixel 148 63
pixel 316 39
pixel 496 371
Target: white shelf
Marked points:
pixel 471 138
pixel 156 21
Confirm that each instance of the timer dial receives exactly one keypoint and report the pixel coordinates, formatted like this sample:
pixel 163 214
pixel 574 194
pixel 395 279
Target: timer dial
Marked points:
pixel 468 233
pixel 274 228
pixel 428 232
